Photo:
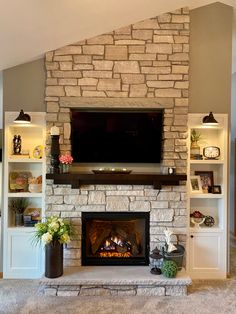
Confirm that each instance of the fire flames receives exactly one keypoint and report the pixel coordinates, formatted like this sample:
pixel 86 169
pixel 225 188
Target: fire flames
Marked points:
pixel 114 254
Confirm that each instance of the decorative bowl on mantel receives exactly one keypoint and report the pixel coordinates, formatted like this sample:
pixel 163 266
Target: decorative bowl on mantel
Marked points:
pixel 112 170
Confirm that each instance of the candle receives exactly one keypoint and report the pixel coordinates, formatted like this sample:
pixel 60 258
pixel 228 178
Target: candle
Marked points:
pixel 55 130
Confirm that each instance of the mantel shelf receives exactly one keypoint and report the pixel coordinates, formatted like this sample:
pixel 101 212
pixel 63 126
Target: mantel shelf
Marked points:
pixel 78 179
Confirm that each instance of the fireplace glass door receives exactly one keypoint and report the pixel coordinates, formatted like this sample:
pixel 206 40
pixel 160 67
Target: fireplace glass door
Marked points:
pixel 115 238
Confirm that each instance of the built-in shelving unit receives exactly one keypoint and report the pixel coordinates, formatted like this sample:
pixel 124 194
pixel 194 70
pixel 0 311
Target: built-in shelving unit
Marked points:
pixel 78 179
pixel 207 245
pixel 22 259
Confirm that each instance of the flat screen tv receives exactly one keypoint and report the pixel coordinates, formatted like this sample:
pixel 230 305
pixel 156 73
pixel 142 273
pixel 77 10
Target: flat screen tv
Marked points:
pixel 117 136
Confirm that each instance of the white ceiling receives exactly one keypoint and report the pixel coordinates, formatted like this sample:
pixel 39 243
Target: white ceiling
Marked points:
pixel 29 28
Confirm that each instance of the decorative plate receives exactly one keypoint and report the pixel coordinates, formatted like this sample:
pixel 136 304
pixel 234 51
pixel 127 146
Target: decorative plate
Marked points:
pixel 38 151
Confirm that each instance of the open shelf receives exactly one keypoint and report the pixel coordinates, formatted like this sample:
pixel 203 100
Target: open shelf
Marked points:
pixel 206 195
pixel 206 161
pixel 78 179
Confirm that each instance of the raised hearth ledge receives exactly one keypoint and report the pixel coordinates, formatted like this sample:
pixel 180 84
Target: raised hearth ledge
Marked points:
pixel 114 280
pixel 78 179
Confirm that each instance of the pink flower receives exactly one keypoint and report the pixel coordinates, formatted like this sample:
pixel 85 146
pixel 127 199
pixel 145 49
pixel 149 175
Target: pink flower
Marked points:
pixel 66 159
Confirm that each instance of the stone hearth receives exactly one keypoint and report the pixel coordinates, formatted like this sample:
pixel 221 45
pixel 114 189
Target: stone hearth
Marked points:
pixel 113 281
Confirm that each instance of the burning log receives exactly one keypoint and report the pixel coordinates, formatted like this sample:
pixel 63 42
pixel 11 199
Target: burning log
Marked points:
pixel 121 249
pixel 100 239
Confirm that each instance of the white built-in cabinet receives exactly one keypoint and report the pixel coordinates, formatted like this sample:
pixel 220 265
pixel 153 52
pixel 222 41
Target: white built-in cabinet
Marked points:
pixel 207 246
pixel 22 258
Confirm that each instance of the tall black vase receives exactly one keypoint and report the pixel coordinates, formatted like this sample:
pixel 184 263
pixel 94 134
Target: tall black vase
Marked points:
pixel 53 259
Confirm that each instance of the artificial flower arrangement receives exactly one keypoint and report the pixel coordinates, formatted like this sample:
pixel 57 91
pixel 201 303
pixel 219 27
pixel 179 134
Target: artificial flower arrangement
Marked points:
pixel 53 229
pixel 65 162
pixel 66 159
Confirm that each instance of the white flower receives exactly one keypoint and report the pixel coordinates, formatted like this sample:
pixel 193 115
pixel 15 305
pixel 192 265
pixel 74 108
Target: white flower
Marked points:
pixel 61 221
pixel 65 238
pixel 54 226
pixel 47 238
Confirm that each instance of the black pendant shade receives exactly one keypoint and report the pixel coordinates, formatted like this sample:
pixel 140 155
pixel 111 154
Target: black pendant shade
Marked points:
pixel 23 118
pixel 209 120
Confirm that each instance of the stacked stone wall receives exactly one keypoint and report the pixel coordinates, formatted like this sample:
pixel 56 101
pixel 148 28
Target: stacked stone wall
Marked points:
pixel 143 65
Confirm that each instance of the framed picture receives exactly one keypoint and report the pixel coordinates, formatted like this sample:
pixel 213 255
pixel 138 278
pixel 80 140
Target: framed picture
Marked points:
pixel 207 180
pixel 195 184
pixel 216 189
pixel 38 152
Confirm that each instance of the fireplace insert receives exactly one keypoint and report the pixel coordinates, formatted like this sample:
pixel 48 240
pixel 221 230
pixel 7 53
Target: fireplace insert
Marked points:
pixel 110 238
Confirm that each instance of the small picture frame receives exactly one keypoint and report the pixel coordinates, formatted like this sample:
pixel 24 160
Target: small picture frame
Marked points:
pixel 207 180
pixel 195 184
pixel 38 152
pixel 216 189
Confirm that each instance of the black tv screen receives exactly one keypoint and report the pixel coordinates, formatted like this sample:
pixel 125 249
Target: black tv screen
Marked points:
pixel 117 136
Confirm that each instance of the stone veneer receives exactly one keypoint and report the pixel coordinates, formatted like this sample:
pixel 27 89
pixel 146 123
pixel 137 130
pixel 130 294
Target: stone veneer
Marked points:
pixel 144 65
pixel 114 281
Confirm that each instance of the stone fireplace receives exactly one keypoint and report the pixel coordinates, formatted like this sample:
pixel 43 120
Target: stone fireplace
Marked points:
pixel 143 65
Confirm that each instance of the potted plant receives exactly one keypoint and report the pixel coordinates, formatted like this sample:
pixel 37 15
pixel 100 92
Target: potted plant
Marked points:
pixel 195 148
pixel 53 232
pixel 18 206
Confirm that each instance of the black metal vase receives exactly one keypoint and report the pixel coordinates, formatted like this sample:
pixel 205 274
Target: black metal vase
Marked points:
pixel 53 259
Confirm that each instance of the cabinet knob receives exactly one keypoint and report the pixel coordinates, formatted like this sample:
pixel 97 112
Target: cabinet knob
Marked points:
pixel 191 236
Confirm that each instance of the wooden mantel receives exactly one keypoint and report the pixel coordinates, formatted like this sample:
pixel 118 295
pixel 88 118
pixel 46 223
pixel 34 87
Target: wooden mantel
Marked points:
pixel 78 179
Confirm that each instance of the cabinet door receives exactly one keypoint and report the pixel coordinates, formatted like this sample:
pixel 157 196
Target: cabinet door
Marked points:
pixel 24 259
pixel 205 254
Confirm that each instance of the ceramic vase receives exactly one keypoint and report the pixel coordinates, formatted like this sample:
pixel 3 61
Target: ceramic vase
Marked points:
pixel 53 259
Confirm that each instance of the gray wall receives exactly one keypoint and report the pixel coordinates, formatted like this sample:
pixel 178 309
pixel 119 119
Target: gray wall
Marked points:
pixel 211 58
pixel 232 155
pixel 23 87
pixel 1 99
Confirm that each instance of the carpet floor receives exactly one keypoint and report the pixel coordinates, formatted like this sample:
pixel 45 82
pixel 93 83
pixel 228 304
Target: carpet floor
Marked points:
pixel 205 296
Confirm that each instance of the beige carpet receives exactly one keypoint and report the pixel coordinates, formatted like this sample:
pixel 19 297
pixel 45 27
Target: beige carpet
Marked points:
pixel 22 297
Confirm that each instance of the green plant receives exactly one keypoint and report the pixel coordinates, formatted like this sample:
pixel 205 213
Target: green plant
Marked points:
pixel 195 136
pixel 169 269
pixel 53 229
pixel 19 204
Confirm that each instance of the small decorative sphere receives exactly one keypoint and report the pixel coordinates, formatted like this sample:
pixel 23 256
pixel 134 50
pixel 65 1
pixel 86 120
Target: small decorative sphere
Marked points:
pixel 209 221
pixel 169 269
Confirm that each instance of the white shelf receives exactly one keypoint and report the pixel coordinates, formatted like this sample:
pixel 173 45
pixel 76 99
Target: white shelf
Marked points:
pixel 205 229
pixel 22 229
pixel 208 239
pixel 206 195
pixel 206 162
pixel 20 238
pixel 24 194
pixel 26 160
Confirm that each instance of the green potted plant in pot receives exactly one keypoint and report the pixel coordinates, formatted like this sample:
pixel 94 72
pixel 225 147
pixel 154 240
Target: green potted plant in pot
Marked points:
pixel 53 232
pixel 195 148
pixel 18 206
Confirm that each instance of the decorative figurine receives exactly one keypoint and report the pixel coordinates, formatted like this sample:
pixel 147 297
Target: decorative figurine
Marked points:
pixel 17 144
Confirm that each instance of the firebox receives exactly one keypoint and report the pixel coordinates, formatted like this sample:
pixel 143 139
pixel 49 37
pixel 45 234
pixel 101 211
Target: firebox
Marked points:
pixel 110 238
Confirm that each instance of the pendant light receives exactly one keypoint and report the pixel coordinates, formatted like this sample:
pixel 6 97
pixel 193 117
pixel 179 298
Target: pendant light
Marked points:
pixel 209 120
pixel 23 118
